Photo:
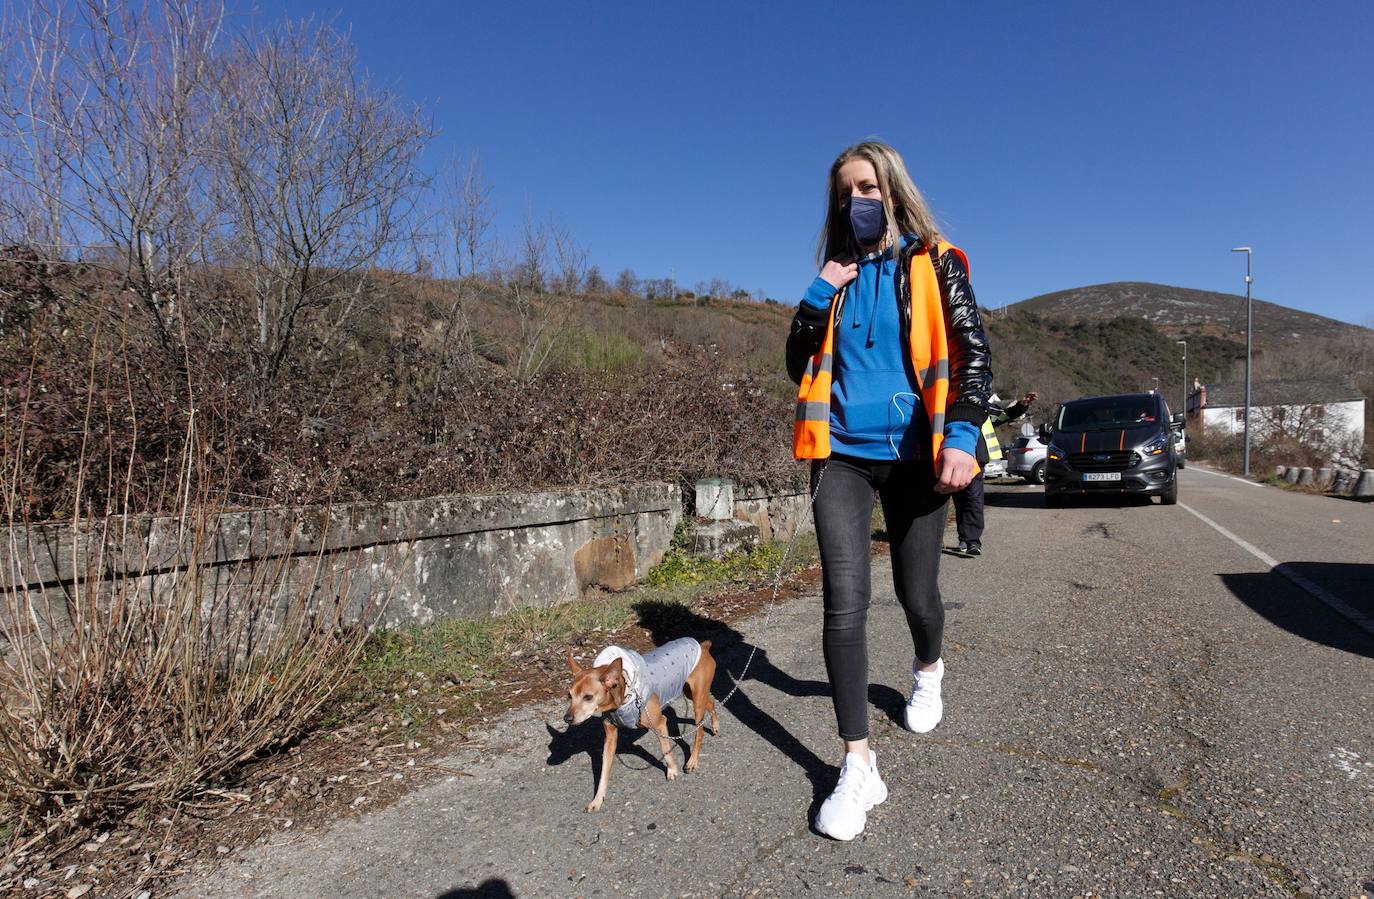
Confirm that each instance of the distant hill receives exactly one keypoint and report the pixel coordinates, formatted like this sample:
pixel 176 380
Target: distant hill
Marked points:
pixel 1178 309
pixel 1109 338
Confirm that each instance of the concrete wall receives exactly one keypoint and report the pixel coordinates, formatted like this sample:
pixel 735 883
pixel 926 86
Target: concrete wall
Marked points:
pixel 776 515
pixel 441 557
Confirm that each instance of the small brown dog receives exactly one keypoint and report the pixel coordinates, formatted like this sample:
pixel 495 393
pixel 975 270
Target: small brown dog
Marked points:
pixel 630 690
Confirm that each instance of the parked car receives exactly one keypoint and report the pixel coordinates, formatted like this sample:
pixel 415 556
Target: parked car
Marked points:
pixel 1181 447
pixel 1027 459
pixel 1121 444
pixel 994 468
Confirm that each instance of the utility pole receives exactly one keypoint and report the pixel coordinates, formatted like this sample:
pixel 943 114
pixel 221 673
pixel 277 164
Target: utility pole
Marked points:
pixel 1185 380
pixel 1249 341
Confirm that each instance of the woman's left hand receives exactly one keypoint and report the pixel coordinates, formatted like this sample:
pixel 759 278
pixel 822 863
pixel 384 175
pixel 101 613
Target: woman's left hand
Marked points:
pixel 954 472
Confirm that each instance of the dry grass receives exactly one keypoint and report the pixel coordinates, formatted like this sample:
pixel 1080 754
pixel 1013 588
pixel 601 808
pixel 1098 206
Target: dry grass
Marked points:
pixel 150 669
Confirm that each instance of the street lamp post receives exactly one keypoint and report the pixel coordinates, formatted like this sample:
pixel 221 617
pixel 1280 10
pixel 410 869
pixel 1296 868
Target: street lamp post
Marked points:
pixel 1185 379
pixel 1249 330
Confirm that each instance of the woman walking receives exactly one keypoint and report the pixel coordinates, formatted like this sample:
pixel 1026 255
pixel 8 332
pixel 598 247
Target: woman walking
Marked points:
pixel 893 365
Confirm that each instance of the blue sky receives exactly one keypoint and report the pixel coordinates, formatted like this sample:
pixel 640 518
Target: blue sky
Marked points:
pixel 1060 144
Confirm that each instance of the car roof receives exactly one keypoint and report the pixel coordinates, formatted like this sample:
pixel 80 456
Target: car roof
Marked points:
pixel 1114 396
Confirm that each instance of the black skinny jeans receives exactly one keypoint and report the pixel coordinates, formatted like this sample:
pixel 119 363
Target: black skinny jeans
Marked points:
pixel 915 517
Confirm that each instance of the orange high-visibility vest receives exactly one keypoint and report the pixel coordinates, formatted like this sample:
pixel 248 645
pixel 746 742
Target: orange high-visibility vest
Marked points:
pixel 929 359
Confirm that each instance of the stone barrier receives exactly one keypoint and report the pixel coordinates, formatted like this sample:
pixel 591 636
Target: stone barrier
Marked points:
pixel 459 556
pixel 445 557
pixel 1338 481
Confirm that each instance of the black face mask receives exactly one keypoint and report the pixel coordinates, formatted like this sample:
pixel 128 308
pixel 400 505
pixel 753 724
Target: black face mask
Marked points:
pixel 867 220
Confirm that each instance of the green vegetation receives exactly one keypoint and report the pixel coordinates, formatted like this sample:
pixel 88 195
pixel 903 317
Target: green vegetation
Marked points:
pixel 1063 359
pixel 680 566
pixel 405 670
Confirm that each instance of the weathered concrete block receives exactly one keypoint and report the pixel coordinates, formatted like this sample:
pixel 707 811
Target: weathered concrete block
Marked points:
pixel 1323 477
pixel 1280 470
pixel 1365 485
pixel 1291 475
pixel 713 539
pixel 1304 477
pixel 715 500
pixel 777 516
pixel 1344 481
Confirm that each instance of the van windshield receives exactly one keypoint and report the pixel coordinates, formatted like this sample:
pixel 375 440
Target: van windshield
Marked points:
pixel 1105 414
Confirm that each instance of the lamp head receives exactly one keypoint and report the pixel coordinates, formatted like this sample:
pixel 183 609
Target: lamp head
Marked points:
pixel 1240 249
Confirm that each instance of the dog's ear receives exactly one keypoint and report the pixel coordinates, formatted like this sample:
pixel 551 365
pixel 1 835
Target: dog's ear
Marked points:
pixel 614 673
pixel 572 663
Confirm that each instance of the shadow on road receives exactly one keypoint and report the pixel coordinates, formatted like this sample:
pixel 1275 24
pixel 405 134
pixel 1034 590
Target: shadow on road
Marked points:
pixel 1025 498
pixel 1014 497
pixel 487 889
pixel 668 621
pixel 1271 595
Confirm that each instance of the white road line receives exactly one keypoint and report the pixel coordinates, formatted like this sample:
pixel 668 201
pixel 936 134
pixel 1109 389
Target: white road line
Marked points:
pixel 1335 603
pixel 1220 475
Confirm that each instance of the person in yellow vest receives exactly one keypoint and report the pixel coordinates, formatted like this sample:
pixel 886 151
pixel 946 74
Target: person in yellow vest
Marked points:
pixel 968 503
pixel 894 372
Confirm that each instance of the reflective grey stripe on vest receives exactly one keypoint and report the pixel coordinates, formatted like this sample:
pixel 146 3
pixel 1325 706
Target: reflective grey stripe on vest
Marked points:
pixel 827 364
pixel 941 371
pixel 937 423
pixel 808 411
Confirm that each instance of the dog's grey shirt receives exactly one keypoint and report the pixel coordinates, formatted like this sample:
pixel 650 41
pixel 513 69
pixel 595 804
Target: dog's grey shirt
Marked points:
pixel 660 672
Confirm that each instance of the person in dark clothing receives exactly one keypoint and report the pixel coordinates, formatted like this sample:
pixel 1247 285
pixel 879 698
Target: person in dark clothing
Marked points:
pixel 968 503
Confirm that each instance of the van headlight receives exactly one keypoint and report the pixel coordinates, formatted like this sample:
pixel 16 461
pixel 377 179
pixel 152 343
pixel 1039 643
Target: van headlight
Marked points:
pixel 1055 453
pixel 1159 445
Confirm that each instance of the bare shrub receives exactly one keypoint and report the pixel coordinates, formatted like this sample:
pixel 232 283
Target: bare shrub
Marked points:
pixel 155 668
pixel 319 178
pixel 103 105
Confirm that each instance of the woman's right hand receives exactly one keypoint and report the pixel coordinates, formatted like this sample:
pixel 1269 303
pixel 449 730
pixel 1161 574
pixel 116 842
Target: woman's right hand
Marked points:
pixel 837 273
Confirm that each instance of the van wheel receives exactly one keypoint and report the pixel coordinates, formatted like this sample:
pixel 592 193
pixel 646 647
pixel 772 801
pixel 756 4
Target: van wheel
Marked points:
pixel 1170 496
pixel 1037 474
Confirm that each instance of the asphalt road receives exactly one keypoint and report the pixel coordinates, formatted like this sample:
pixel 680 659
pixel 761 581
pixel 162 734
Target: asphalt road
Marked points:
pixel 1137 704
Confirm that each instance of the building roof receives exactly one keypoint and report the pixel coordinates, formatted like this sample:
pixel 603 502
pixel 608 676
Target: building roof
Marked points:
pixel 1294 392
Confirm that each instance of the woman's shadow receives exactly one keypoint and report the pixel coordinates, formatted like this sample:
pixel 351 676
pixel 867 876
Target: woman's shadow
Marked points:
pixel 667 621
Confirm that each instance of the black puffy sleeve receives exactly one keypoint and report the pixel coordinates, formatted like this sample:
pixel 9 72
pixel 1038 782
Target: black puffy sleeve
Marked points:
pixel 805 338
pixel 970 359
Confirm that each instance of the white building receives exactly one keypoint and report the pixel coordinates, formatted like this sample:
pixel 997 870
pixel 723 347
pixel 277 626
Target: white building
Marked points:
pixel 1318 412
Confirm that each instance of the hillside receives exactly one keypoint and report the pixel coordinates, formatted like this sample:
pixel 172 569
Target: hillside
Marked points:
pixel 1178 309
pixel 406 385
pixel 1062 359
pixel 1106 338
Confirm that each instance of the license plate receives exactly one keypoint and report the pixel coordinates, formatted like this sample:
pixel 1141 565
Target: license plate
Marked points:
pixel 1102 476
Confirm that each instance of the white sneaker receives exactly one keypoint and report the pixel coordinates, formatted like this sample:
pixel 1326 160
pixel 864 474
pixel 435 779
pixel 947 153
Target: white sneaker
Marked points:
pixel 925 708
pixel 844 812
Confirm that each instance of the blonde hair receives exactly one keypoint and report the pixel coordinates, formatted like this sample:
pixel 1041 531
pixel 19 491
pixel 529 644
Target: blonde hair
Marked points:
pixel 907 212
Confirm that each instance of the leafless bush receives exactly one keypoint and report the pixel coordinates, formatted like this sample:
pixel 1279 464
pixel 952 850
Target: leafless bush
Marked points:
pixel 104 108
pixel 153 670
pixel 319 177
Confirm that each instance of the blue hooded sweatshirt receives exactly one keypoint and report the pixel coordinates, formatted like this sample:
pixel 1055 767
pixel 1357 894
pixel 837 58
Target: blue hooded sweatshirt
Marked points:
pixel 875 404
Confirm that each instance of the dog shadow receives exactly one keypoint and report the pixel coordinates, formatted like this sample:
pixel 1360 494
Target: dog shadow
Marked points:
pixel 589 738
pixel 667 621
